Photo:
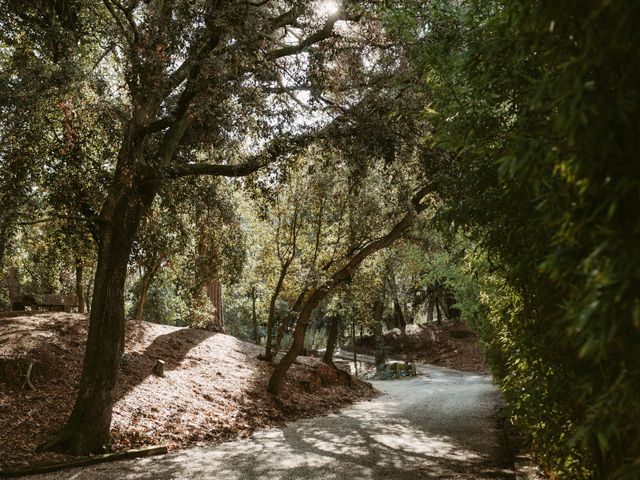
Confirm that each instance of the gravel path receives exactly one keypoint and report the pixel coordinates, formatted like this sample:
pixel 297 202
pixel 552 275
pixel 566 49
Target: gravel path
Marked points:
pixel 439 425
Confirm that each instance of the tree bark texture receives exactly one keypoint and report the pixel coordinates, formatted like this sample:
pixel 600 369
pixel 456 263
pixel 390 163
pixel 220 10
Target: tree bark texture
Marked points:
pixel 214 292
pixel 79 289
pixel 380 353
pixel 254 316
pixel 87 429
pixel 142 299
pixel 15 290
pixel 332 340
pixel 268 351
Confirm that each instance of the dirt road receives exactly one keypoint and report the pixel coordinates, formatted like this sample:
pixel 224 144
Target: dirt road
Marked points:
pixel 440 425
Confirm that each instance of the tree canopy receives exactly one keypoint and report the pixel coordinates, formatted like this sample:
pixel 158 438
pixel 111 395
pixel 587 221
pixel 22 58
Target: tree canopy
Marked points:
pixel 329 162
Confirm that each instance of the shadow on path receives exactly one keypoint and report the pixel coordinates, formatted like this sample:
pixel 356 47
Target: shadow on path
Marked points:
pixel 438 426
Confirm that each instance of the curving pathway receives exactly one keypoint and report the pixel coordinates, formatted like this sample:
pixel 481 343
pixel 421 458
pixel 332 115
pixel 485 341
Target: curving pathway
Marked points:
pixel 439 425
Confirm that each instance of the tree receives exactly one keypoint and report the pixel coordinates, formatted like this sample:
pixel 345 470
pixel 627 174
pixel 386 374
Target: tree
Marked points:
pixel 537 103
pixel 200 78
pixel 342 274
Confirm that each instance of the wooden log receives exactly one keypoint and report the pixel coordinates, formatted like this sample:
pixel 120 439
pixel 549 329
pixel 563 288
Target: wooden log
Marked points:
pixel 83 461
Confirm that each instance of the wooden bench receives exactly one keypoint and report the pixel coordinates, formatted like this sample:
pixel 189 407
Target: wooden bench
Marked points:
pixel 47 301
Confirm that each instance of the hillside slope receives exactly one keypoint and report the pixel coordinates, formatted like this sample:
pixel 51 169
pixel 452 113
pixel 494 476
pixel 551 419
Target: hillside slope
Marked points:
pixel 213 388
pixel 450 344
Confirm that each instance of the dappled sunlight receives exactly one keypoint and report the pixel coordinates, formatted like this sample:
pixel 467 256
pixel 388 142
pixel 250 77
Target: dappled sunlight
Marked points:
pixel 411 432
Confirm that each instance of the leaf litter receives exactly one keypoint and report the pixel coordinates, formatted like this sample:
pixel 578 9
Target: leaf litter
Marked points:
pixel 213 389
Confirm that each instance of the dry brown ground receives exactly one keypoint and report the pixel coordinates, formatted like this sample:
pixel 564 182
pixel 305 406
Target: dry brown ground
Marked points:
pixel 450 345
pixel 214 388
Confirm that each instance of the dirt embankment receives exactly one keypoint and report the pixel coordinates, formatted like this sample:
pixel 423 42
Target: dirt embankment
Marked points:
pixel 214 388
pixel 450 345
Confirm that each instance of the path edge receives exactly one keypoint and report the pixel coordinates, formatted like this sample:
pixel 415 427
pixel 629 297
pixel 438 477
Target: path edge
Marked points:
pixel 83 462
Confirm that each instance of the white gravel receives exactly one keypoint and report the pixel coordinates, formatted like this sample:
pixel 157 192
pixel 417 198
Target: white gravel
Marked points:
pixel 440 425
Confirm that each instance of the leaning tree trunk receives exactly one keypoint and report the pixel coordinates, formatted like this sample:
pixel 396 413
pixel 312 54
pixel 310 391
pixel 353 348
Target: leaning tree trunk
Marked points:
pixel 276 381
pixel 343 275
pixel 287 322
pixel 87 429
pixel 268 349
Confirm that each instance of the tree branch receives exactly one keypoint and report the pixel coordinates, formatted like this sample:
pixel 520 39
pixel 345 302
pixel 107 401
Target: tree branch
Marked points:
pixel 157 125
pixel 270 154
pixel 118 20
pixel 52 219
pixel 220 170
pixel 325 32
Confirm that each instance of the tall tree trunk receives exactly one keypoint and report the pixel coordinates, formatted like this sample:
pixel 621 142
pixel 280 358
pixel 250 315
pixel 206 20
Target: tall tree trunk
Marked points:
pixel 254 316
pixel 332 340
pixel 89 290
pixel 438 313
pixel 15 290
pixel 144 291
pixel 87 429
pixel 79 289
pixel 399 316
pixel 268 351
pixel 214 292
pixel 380 353
pixel 430 310
pixel 354 346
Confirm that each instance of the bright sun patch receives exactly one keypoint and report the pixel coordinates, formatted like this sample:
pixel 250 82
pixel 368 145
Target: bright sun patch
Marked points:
pixel 328 7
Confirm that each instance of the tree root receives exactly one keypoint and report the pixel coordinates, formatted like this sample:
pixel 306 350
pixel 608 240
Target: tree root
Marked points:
pixel 71 442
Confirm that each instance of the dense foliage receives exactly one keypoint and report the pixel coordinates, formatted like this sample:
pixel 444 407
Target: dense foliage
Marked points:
pixel 538 103
pixel 517 122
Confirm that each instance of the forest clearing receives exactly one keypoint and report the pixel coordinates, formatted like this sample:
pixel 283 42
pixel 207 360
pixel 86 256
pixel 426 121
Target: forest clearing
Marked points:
pixel 217 216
